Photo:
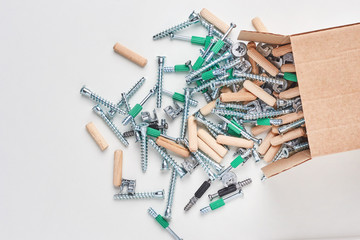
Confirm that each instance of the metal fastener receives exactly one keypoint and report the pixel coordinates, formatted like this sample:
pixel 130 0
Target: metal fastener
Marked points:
pixel 140 195
pixel 161 60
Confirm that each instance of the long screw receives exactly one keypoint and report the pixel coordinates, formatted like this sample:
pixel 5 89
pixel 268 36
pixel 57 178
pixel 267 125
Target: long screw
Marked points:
pixel 220 202
pixel 271 80
pixel 164 164
pixel 161 60
pixel 216 32
pixel 181 172
pixel 200 118
pixel 140 195
pixel 210 162
pixel 129 94
pixel 185 113
pixel 232 188
pixel 290 126
pixel 97 109
pixel 163 223
pixel 193 18
pixel 98 99
pixel 217 83
pixel 144 146
pixel 223 111
pixel 167 214
pixel 269 114
pixel 133 123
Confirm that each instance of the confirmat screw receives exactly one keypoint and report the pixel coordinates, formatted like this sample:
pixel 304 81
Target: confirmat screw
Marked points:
pixel 198 194
pixel 220 202
pixel 210 162
pixel 144 146
pixel 290 126
pixel 269 114
pixel 232 188
pixel 140 195
pixel 200 118
pixel 97 109
pixel 185 113
pixel 164 163
pixel 216 32
pixel 170 199
pixel 163 223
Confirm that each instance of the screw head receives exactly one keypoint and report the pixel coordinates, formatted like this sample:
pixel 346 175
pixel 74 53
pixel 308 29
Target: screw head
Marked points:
pixel 85 91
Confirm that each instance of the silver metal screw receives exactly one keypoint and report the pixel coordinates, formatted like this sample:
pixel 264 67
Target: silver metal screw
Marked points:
pixel 181 172
pixel 269 114
pixel 290 126
pixel 164 164
pixel 223 111
pixel 144 146
pixel 97 109
pixel 185 113
pixel 140 195
pixel 167 214
pixel 133 123
pixel 216 32
pixel 193 18
pixel 98 99
pixel 165 225
pixel 217 83
pixel 255 154
pixel 237 73
pixel 210 162
pixel 238 185
pixel 200 118
pixel 225 200
pixel 161 60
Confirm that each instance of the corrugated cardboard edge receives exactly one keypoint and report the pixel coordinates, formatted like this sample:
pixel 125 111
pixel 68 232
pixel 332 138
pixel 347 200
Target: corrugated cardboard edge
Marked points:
pixel 263 37
pixel 286 163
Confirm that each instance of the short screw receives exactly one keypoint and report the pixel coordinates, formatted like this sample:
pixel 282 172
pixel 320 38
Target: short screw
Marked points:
pixel 170 199
pixel 161 60
pixel 223 111
pixel 97 109
pixel 140 195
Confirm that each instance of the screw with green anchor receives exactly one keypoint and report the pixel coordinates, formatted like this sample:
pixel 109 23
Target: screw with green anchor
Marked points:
pixel 220 202
pixel 163 223
pixel 193 39
pixel 180 97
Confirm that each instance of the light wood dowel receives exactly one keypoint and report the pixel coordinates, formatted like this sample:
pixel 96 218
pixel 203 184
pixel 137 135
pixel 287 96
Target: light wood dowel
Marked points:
pixel 270 154
pixel 259 129
pixel 234 141
pixel 291 117
pixel 280 139
pixel 254 66
pixel 259 25
pixel 259 92
pixel 130 55
pixel 172 146
pixel 288 67
pixel 264 146
pixel 290 93
pixel 205 110
pixel 237 97
pixel 96 135
pixel 192 130
pixel 263 62
pixel 282 50
pixel 118 163
pixel 208 151
pixel 211 142
pixel 214 20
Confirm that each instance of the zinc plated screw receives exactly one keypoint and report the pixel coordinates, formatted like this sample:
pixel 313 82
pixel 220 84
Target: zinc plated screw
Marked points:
pixel 286 152
pixel 97 109
pixel 161 60
pixel 269 114
pixel 98 99
pixel 217 83
pixel 231 105
pixel 284 103
pixel 223 111
pixel 232 188
pixel 163 223
pixel 181 172
pixel 220 202
pixel 210 162
pixel 180 97
pixel 164 164
pixel 133 123
pixel 167 214
pixel 144 146
pixel 193 18
pixel 272 80
pixel 200 118
pixel 290 126
pixel 138 107
pixel 185 113
pixel 129 94
pixel 140 195
pixel 216 32
pixel 255 154
pixel 192 39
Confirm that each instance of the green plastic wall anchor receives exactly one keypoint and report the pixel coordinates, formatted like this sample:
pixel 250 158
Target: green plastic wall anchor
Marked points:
pixel 218 203
pixel 178 97
pixel 198 40
pixel 230 71
pixel 236 162
pixel 290 76
pixel 218 45
pixel 232 129
pixel 162 221
pixel 153 132
pixel 208 41
pixel 263 121
pixel 199 83
pixel 199 62
pixel 207 75
pixel 135 110
pixel 181 68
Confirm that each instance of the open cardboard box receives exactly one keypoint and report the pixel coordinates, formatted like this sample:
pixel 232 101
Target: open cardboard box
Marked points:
pixel 327 65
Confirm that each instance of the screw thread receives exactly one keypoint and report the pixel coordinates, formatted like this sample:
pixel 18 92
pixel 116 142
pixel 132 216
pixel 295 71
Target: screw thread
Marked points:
pixel 209 124
pixel 207 97
pixel 160 81
pixel 288 127
pixel 140 195
pixel 259 77
pixel 171 194
pixel 206 168
pixel 185 114
pixel 210 162
pixel 232 105
pixel 216 32
pixel 173 29
pixel 254 116
pixel 127 134
pixel 169 69
pixel 218 83
pixel 97 109
pixel 301 146
pixel 144 152
pixel 245 182
pixel 152 212
pixel 191 203
pixel 223 111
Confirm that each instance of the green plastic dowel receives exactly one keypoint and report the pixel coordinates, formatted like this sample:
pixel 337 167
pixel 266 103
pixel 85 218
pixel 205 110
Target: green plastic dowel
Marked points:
pixel 207 75
pixel 208 41
pixel 218 45
pixel 218 203
pixel 178 97
pixel 162 221
pixel 181 68
pixel 198 40
pixel 290 76
pixel 153 132
pixel 135 110
pixel 236 162
pixel 199 62
pixel 263 121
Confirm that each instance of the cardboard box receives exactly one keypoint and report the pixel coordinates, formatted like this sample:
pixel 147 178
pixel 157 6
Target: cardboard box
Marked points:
pixel 327 65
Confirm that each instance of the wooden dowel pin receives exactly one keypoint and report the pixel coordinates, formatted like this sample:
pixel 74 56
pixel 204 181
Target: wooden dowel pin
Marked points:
pixel 290 93
pixel 118 163
pixel 172 146
pixel 237 97
pixel 260 93
pixel 214 20
pixel 208 151
pixel 211 142
pixel 264 146
pixel 270 154
pixel 95 134
pixel 259 25
pixel 259 129
pixel 280 139
pixel 130 55
pixel 234 141
pixel 263 62
pixel 192 129
pixel 288 67
pixel 205 110
pixel 282 50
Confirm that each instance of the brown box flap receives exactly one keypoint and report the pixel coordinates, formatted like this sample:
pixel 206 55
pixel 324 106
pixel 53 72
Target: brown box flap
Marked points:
pixel 328 70
pixel 286 163
pixel 263 37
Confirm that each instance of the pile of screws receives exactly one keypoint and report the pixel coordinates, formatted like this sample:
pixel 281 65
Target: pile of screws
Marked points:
pixel 247 86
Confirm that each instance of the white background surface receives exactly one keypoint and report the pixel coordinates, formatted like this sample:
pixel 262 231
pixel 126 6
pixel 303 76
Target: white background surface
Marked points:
pixel 56 184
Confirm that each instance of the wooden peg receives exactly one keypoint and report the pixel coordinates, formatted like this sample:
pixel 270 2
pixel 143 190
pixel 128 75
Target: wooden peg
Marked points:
pixel 280 139
pixel 270 154
pixel 254 66
pixel 288 67
pixel 259 25
pixel 211 142
pixel 214 20
pixel 259 92
pixel 290 93
pixel 274 129
pixel 259 129
pixel 192 129
pixel 265 145
pixel 263 62
pixel 237 97
pixel 96 135
pixel 234 141
pixel 118 163
pixel 225 89
pixel 172 146
pixel 291 117
pixel 205 110
pixel 282 50
pixel 130 55
pixel 208 151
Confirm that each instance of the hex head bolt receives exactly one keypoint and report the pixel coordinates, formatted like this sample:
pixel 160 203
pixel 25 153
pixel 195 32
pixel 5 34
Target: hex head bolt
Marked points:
pixel 193 18
pixel 129 94
pixel 170 199
pixel 163 223
pixel 239 130
pixel 140 195
pixel 220 202
pixel 161 60
pixel 138 107
pixel 133 123
pixel 219 44
pixel 100 100
pixel 198 194
pixel 232 188
pixel 97 109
